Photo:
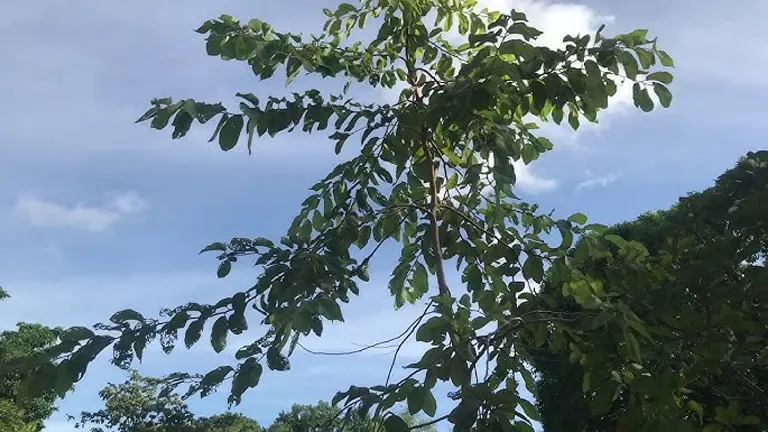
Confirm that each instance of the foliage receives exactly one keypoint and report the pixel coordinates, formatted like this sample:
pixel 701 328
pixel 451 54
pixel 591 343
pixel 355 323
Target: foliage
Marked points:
pixel 435 173
pixel 707 315
pixel 27 339
pixel 319 417
pixel 140 405
pixel 137 405
pixel 13 419
pixel 325 417
pixel 227 422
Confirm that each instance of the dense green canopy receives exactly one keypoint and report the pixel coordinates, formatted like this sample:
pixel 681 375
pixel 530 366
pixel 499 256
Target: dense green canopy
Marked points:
pixel 25 340
pixel 705 300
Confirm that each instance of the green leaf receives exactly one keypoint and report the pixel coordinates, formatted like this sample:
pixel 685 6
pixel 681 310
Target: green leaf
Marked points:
pixel 219 334
pixel 604 397
pixel 664 95
pixel 224 268
pixel 420 278
pixel 415 399
pixel 578 218
pixel 248 351
pixel 634 347
pixel 344 9
pixel 530 383
pixel 573 119
pixel 230 132
pixel 642 98
pixel 662 77
pixel 247 376
pixel 218 246
pixel 533 268
pixel 393 423
pixel 615 239
pixel 330 309
pixel 697 408
pixel 627 60
pixel 194 331
pixel 126 315
pixel 181 124
pixel 429 404
pixel 665 59
pixel 646 57
pixel 216 376
pixel 434 328
pixel 530 410
pixel 220 125
pixel 557 115
pixel 276 360
pixel 76 334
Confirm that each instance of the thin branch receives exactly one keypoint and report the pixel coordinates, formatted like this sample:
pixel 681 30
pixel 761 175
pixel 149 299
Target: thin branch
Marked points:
pixel 410 330
pixel 748 381
pixel 431 75
pixel 429 423
pixel 366 347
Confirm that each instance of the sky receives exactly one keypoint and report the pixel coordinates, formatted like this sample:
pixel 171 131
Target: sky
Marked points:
pixel 98 213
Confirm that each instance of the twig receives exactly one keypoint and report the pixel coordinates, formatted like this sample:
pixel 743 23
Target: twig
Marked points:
pixel 430 423
pixel 410 330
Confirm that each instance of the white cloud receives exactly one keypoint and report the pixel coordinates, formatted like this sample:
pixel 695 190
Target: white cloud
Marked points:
pixel 530 182
pixel 79 216
pixel 526 180
pixel 129 203
pixel 555 19
pixel 597 181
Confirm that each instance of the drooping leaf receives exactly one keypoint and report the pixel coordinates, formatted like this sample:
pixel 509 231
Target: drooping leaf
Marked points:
pixel 219 334
pixel 230 132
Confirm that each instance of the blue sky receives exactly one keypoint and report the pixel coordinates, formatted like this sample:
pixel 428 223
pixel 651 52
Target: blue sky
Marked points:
pixel 97 213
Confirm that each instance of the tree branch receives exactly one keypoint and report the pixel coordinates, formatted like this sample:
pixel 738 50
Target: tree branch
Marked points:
pixel 429 423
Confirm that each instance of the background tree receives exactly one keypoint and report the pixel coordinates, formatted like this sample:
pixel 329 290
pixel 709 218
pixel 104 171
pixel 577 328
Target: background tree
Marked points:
pixel 140 405
pixel 435 174
pixel 323 417
pixel 227 422
pixel 13 419
pixel 320 417
pixel 137 405
pixel 26 340
pixel 712 306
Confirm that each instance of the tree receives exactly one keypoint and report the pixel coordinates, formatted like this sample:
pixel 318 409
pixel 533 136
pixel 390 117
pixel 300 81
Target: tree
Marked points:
pixel 435 172
pixel 711 304
pixel 324 417
pixel 227 422
pixel 13 419
pixel 26 340
pixel 320 417
pixel 138 405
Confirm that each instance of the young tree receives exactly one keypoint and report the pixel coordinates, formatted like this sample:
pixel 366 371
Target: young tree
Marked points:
pixel 706 314
pixel 434 172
